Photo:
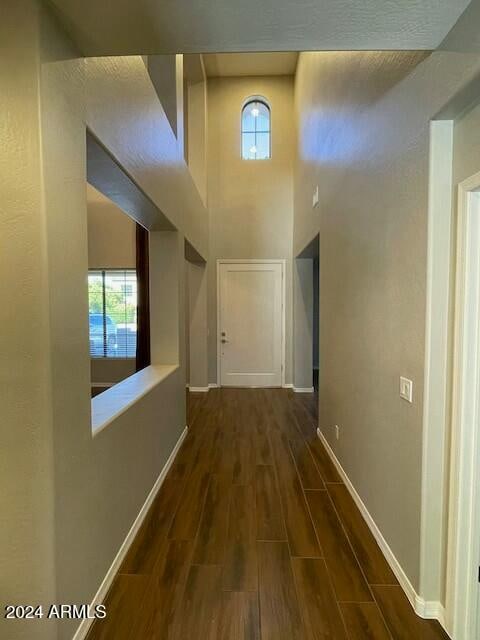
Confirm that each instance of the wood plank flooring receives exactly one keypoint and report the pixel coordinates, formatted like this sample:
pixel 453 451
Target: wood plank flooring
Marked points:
pixel 253 536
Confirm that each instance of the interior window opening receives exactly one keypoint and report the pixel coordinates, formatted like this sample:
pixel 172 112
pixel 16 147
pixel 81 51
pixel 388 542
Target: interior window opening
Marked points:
pixel 118 285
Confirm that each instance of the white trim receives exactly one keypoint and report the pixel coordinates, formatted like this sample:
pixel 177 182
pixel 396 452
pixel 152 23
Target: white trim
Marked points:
pixel 464 516
pixel 212 385
pixel 303 389
pixel 283 263
pixel 99 597
pixel 287 385
pixel 113 402
pixel 421 608
pixel 432 611
pixel 436 410
pixel 198 389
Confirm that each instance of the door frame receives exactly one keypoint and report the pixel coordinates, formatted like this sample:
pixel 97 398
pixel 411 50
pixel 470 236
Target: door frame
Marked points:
pixel 282 262
pixel 463 555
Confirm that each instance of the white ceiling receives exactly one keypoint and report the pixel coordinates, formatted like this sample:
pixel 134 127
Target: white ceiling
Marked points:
pixel 124 27
pixel 250 64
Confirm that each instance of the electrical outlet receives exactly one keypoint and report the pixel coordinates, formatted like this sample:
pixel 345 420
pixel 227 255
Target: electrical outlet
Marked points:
pixel 337 432
pixel 406 389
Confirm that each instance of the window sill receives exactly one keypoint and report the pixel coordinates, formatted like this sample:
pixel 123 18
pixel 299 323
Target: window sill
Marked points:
pixel 110 404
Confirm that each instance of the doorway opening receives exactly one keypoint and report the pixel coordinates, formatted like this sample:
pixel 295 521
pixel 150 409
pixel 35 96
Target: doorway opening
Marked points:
pixel 307 318
pixel 316 320
pixel 196 325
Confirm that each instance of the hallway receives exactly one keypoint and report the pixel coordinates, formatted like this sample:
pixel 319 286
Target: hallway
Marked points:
pixel 253 535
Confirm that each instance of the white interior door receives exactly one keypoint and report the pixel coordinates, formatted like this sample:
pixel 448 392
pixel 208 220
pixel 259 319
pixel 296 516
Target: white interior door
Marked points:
pixel 250 324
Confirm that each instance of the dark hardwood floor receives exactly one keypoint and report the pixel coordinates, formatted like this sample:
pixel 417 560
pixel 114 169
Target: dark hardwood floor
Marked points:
pixel 253 536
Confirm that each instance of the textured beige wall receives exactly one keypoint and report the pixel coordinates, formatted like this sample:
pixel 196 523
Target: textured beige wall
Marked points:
pixel 101 482
pixel 364 140
pixel 108 370
pixel 111 234
pixel 70 498
pixel 162 71
pixel 250 203
pixel 27 566
pixel 124 112
pixel 197 136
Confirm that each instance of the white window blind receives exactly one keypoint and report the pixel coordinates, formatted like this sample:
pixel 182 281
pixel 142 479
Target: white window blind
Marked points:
pixel 112 312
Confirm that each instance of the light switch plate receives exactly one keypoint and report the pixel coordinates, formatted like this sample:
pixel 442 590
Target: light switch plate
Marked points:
pixel 406 389
pixel 315 197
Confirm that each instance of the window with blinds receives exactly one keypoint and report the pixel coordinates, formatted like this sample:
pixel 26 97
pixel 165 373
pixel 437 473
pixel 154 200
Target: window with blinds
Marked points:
pixel 112 313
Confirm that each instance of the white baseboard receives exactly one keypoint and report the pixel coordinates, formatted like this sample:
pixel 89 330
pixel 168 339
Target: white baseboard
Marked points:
pixel 423 608
pixel 430 609
pixel 198 389
pixel 303 389
pixel 287 385
pixel 99 597
pixel 213 385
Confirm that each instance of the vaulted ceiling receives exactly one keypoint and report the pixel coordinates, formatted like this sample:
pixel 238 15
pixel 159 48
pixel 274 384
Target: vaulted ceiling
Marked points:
pixel 124 27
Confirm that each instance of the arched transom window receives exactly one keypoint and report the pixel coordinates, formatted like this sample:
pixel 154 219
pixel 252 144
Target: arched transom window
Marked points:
pixel 256 130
